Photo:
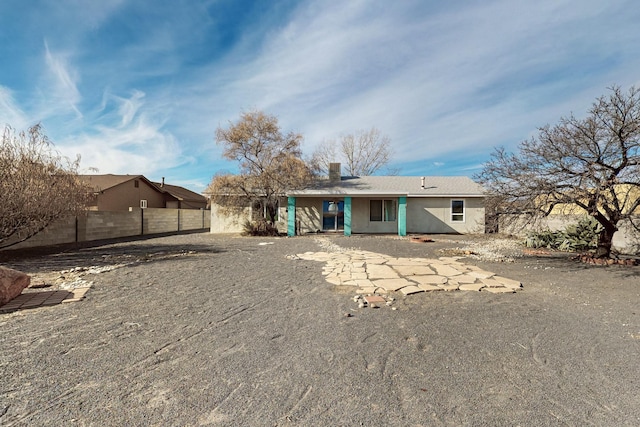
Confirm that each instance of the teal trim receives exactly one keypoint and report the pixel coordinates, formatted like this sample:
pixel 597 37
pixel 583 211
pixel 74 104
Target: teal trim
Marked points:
pixel 347 216
pixel 402 216
pixel 291 216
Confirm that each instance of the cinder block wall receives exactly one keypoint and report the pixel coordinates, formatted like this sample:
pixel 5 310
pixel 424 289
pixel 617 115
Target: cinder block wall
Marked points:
pixel 63 231
pixel 191 219
pixel 161 220
pixel 109 225
pixel 99 225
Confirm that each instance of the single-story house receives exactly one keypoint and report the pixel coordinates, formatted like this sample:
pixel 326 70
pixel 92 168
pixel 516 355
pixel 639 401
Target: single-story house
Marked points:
pixel 125 192
pixel 376 204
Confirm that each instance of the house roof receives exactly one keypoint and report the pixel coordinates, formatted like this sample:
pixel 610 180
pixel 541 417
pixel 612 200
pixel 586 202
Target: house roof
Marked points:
pixel 104 182
pixel 410 186
pixel 181 193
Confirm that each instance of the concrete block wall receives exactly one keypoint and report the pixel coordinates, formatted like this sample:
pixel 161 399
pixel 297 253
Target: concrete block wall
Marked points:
pixel 191 219
pixel 100 225
pixel 109 225
pixel 161 220
pixel 62 231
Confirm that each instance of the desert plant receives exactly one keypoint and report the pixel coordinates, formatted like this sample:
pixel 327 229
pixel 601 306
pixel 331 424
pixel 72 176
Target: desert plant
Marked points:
pixel 581 236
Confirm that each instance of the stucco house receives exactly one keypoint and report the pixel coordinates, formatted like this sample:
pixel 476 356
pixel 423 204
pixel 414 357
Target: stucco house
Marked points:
pixel 376 204
pixel 125 192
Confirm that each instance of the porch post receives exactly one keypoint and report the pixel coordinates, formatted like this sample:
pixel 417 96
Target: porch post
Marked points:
pixel 402 216
pixel 347 216
pixel 291 216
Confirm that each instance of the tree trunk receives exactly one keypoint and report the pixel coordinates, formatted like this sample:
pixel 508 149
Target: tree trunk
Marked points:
pixel 605 240
pixel 271 214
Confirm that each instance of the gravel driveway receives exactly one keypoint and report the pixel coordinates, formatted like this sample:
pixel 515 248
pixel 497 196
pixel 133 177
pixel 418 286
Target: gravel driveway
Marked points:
pixel 197 330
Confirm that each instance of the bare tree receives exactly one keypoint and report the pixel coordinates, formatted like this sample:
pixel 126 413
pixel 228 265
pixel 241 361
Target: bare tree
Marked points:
pixel 362 153
pixel 37 185
pixel 270 164
pixel 591 164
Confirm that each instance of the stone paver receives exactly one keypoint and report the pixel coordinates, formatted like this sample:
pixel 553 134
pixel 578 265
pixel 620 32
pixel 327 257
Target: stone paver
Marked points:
pixel 472 287
pixel 44 298
pixel 429 288
pixel 374 273
pixel 392 284
pixel 411 289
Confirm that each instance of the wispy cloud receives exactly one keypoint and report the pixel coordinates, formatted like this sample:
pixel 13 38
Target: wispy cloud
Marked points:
pixel 133 89
pixel 10 113
pixel 60 85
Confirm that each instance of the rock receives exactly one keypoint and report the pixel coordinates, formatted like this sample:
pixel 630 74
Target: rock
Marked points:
pixel 12 282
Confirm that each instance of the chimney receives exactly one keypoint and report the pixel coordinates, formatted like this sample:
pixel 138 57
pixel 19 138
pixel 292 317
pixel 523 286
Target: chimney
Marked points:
pixel 334 172
pixel 422 182
pixel 162 185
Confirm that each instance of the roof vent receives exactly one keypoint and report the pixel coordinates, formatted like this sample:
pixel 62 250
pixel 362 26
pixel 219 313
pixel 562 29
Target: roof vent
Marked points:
pixel 422 182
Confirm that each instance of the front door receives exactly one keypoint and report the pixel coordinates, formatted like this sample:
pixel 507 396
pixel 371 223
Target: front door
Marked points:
pixel 332 215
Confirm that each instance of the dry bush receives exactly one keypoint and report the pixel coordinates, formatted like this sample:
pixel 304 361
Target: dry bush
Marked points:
pixel 37 185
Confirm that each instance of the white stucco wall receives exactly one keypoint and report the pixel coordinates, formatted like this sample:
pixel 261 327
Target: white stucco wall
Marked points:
pixel 309 214
pixel 360 218
pixel 433 216
pixel 228 224
pixel 424 215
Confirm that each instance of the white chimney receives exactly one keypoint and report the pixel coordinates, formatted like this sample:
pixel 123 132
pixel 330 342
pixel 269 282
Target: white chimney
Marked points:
pixel 422 182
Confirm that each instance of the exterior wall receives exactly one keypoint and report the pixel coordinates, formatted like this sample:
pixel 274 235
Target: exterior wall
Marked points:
pixel 433 216
pixel 309 214
pixel 424 215
pixel 126 195
pixel 99 225
pixel 360 218
pixel 222 223
pixel 228 223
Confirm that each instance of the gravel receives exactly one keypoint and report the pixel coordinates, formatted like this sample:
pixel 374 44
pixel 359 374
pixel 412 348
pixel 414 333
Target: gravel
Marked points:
pixel 220 330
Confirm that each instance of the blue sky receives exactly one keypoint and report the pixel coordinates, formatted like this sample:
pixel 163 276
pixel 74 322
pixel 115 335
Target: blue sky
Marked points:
pixel 139 87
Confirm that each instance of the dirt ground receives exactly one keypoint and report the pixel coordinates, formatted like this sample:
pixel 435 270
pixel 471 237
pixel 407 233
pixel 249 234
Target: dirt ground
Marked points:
pixel 197 330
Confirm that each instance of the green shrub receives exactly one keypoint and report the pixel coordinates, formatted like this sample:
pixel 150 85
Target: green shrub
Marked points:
pixel 574 238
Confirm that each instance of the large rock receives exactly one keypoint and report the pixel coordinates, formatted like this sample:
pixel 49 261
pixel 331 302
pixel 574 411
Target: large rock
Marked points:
pixel 12 282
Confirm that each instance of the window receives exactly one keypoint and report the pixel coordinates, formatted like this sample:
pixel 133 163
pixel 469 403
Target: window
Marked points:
pixel 382 210
pixel 457 211
pixel 259 210
pixel 136 183
pixel 143 204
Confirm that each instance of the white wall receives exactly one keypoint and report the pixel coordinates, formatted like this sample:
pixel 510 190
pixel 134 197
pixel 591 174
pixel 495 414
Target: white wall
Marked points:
pixel 433 216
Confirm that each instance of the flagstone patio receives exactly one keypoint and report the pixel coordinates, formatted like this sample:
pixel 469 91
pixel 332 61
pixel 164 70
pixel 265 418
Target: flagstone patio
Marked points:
pixel 370 273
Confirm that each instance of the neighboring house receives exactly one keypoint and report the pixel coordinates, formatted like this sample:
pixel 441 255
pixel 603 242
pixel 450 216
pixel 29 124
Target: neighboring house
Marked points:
pixel 126 192
pixel 184 199
pixel 376 204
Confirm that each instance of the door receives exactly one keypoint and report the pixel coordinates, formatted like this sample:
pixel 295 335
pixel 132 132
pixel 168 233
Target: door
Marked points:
pixel 332 215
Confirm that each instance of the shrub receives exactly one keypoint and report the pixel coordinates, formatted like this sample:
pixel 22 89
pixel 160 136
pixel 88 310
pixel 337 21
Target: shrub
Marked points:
pixel 581 236
pixel 260 227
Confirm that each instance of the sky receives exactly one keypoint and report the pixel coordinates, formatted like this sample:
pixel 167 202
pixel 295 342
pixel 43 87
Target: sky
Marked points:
pixel 140 86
